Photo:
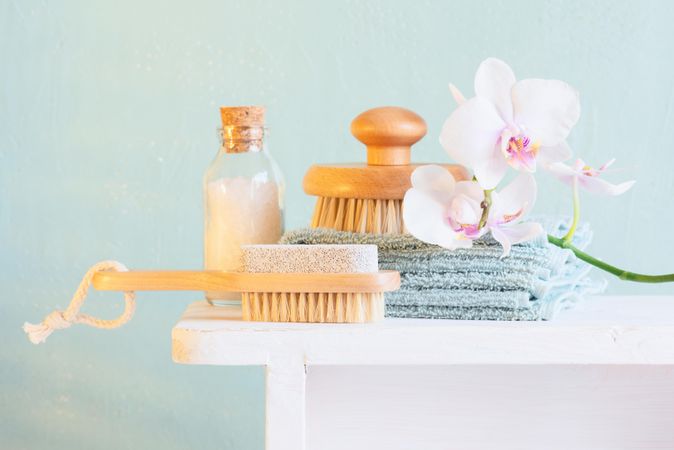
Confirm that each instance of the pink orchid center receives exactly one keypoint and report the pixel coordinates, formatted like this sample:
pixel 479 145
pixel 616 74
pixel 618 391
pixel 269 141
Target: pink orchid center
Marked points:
pixel 520 151
pixel 462 218
pixel 590 172
pixel 468 230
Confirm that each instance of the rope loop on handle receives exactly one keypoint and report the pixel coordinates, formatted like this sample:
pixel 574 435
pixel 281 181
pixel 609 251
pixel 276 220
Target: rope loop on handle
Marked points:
pixel 59 320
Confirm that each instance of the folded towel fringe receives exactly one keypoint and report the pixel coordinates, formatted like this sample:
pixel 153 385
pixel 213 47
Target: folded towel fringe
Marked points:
pixel 535 282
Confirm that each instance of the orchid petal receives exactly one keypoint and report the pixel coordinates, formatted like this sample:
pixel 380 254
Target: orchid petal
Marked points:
pixel 602 187
pixel 523 161
pixel 592 183
pixel 562 172
pixel 522 232
pixel 545 109
pixel 425 219
pixel 456 93
pixel 554 153
pixel 436 181
pixel 491 171
pixel 606 165
pixel 493 81
pixel 502 239
pixel 508 235
pixel 506 135
pixel 578 165
pixel 471 131
pixel 465 210
pixel 469 195
pixel 470 189
pixel 518 197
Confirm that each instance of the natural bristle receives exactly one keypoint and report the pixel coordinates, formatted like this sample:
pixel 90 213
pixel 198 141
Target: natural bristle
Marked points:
pixel 374 216
pixel 313 307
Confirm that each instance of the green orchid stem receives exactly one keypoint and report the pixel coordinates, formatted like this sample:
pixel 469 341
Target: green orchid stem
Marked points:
pixel 620 273
pixel 576 213
pixel 486 205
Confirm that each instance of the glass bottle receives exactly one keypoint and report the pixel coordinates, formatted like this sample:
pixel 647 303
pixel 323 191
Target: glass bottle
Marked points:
pixel 243 195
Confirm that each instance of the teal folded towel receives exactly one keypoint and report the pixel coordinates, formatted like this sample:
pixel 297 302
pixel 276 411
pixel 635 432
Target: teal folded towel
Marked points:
pixel 535 282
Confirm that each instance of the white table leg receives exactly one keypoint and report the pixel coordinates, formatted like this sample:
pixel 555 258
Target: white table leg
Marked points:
pixel 285 405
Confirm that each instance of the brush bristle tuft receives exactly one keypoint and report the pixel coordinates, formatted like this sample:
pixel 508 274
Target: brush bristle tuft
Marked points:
pixel 312 307
pixel 374 216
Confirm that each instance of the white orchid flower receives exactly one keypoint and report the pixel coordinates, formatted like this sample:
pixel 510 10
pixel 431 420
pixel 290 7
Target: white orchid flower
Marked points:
pixel 509 206
pixel 509 123
pixel 438 210
pixel 588 177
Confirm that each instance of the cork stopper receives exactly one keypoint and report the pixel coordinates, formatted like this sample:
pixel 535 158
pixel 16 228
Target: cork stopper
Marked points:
pixel 242 116
pixel 242 128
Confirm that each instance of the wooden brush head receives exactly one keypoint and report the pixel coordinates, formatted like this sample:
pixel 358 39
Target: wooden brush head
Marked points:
pixel 388 134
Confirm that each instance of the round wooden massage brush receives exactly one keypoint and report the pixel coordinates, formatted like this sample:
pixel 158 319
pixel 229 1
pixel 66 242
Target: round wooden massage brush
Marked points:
pixel 367 198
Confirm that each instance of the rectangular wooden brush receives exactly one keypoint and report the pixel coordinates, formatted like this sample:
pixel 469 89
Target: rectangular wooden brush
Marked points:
pixel 284 283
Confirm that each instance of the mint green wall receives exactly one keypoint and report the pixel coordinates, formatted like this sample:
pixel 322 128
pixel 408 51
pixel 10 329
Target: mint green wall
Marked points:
pixel 107 120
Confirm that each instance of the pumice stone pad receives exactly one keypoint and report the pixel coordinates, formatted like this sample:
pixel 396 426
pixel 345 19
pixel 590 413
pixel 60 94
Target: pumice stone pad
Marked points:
pixel 310 258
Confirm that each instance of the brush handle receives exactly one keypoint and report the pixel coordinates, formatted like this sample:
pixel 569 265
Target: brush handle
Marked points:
pixel 388 133
pixel 195 280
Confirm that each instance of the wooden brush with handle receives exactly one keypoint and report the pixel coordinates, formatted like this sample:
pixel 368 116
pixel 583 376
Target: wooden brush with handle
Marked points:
pixel 284 283
pixel 367 198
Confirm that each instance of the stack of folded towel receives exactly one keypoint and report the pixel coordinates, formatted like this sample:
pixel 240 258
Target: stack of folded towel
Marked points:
pixel 535 282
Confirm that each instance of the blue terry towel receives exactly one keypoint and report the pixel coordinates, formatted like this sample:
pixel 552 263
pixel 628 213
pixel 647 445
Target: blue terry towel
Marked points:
pixel 535 282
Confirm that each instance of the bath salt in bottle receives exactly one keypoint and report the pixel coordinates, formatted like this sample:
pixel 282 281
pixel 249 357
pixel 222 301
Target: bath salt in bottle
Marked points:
pixel 243 195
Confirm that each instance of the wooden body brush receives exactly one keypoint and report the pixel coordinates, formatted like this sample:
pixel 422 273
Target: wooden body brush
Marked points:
pixel 284 283
pixel 367 198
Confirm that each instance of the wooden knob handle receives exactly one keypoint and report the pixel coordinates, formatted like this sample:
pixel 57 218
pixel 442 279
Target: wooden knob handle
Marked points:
pixel 388 132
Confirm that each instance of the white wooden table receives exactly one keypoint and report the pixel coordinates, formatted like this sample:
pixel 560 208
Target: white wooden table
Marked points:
pixel 601 376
